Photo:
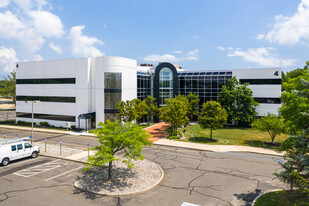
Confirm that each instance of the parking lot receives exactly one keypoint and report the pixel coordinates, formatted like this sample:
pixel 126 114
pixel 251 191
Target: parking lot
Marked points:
pixel 199 177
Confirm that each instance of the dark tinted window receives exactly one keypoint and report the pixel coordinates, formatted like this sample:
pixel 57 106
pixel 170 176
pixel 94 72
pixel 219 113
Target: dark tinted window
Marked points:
pixel 260 81
pixel 46 81
pixel 27 145
pixel 47 116
pixel 13 147
pixel 19 146
pixel 266 100
pixel 46 99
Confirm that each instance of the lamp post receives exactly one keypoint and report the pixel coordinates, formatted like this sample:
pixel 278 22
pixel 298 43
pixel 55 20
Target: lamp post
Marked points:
pixel 32 102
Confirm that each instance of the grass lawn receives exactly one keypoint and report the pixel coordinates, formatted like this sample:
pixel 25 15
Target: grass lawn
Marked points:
pixel 283 198
pixel 231 136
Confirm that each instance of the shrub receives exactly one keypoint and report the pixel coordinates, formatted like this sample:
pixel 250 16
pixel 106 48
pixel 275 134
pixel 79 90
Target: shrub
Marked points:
pixel 173 137
pixel 22 123
pixel 73 127
pixel 44 124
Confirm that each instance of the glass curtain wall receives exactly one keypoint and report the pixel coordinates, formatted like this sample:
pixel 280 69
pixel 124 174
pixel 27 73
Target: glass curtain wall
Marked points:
pixel 143 85
pixel 166 85
pixel 112 94
pixel 206 84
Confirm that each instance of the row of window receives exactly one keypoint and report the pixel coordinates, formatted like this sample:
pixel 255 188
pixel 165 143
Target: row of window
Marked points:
pixel 267 100
pixel 46 99
pixel 46 116
pixel 20 147
pixel 47 81
pixel 260 81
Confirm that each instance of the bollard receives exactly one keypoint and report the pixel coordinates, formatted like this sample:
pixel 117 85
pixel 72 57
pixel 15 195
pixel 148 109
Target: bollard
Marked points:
pixel 45 144
pixel 60 146
pixel 251 141
pixel 4 136
pixel 88 149
pixel 16 136
pixel 31 139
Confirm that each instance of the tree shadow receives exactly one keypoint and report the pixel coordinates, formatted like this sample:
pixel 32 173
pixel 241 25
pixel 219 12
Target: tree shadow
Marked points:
pixel 248 197
pixel 259 143
pixel 201 140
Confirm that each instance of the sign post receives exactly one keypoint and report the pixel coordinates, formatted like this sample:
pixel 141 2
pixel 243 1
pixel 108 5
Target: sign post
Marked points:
pixel 88 149
pixel 60 146
pixel 45 144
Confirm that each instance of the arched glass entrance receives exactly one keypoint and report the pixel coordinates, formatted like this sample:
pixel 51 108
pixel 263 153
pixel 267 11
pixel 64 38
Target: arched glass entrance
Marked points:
pixel 166 85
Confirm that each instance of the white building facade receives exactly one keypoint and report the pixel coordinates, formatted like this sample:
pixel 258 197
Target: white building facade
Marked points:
pixel 84 92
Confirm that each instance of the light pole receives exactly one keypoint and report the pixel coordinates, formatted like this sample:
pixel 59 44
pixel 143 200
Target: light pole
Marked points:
pixel 36 101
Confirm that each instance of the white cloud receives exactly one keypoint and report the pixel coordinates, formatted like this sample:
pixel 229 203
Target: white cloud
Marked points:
pixel 221 48
pixel 31 4
pixel 177 52
pixel 55 48
pixel 290 30
pixel 191 55
pixel 30 28
pixel 46 24
pixel 4 3
pixel 8 59
pixel 262 56
pixel 83 45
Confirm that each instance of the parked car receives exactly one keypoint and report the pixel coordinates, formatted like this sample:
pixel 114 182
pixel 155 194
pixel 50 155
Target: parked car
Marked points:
pixel 17 148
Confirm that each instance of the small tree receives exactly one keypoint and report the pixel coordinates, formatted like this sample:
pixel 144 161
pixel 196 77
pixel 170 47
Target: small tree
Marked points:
pixel 271 123
pixel 131 110
pixel 8 86
pixel 193 104
pixel 114 138
pixel 175 112
pixel 151 107
pixel 212 116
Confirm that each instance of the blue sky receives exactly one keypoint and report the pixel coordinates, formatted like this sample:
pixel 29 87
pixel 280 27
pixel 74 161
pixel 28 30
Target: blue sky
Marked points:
pixel 197 34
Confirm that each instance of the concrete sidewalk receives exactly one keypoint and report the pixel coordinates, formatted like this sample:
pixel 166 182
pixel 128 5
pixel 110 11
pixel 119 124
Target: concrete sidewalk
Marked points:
pixel 56 131
pixel 216 148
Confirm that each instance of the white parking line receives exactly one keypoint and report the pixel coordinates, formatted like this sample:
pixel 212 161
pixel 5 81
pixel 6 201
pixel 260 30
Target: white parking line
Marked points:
pixel 64 173
pixel 29 172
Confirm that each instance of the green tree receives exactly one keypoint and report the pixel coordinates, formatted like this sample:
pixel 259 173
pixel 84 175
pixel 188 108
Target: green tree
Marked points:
pixel 238 101
pixel 271 123
pixel 212 116
pixel 131 110
pixel 151 107
pixel 193 102
pixel 114 138
pixel 295 105
pixel 8 86
pixel 175 112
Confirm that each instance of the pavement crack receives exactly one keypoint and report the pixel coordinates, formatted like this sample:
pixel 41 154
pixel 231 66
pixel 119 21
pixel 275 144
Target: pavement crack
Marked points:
pixel 7 196
pixel 211 196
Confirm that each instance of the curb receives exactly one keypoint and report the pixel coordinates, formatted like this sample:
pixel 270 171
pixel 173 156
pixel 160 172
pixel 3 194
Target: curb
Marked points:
pixel 158 144
pixel 75 185
pixel 253 203
pixel 63 158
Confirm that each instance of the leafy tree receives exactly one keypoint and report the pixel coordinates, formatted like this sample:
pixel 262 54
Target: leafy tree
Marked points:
pixel 212 116
pixel 114 138
pixel 295 105
pixel 238 101
pixel 131 110
pixel 193 102
pixel 126 112
pixel 151 107
pixel 271 123
pixel 175 112
pixel 8 86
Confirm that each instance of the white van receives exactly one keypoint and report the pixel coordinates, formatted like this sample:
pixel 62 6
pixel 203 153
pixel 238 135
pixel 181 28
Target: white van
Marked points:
pixel 13 149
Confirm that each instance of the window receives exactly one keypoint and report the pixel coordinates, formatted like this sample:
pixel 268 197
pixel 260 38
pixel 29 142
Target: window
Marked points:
pixel 47 116
pixel 112 93
pixel 46 99
pixel 27 145
pixel 46 81
pixel 267 100
pixel 112 80
pixel 166 85
pixel 260 81
pixel 13 148
pixel 19 146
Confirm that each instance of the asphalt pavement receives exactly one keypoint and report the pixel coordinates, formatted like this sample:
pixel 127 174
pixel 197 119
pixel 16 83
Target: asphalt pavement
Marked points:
pixel 197 177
